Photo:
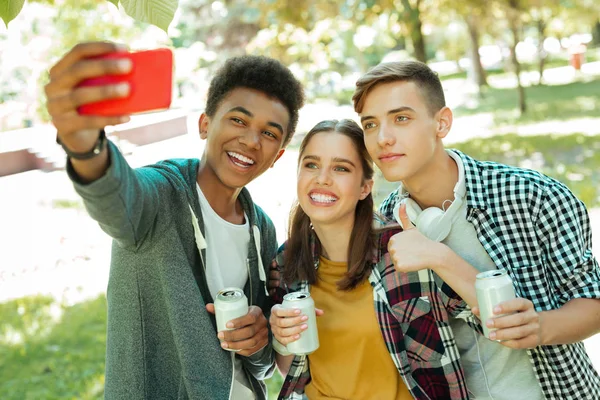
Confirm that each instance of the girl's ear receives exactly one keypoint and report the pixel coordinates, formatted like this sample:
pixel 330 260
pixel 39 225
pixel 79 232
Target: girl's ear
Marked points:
pixel 367 187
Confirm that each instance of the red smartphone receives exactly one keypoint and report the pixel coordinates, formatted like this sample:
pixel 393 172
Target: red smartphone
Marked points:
pixel 150 80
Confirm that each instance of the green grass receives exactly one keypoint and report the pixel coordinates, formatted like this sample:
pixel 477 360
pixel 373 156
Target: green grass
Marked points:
pixel 551 62
pixel 592 54
pixel 50 351
pixel 42 357
pixel 572 159
pixel 463 74
pixel 556 102
pixel 274 385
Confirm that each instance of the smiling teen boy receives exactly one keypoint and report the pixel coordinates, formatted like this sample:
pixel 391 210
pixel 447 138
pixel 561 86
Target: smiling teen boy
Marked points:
pixel 480 216
pixel 183 229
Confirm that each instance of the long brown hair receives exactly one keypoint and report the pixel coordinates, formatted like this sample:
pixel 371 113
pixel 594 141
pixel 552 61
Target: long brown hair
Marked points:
pixel 299 261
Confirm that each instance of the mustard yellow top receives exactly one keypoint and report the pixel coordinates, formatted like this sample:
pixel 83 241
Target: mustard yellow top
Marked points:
pixel 352 361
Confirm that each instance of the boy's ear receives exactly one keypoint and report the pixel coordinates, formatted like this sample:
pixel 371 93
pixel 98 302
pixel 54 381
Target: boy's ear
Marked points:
pixel 278 157
pixel 444 120
pixel 203 124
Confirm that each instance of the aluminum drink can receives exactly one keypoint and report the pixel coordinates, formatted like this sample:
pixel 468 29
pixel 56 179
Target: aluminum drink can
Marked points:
pixel 230 303
pixel 492 288
pixel 309 339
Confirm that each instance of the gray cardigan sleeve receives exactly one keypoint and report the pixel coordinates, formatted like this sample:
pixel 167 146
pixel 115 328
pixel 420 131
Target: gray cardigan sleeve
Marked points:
pixel 124 201
pixel 262 363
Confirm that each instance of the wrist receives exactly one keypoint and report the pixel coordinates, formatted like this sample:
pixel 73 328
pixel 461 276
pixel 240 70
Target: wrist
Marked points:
pixel 442 258
pixel 280 348
pixel 545 334
pixel 85 151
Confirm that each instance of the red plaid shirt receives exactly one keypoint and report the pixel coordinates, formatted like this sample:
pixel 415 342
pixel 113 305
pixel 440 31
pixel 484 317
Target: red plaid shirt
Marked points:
pixel 413 311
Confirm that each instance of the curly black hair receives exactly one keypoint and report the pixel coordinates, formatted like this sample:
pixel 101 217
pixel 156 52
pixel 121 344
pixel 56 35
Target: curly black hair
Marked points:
pixel 260 73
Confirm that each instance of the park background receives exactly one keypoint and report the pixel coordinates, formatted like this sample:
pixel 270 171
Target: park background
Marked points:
pixel 522 76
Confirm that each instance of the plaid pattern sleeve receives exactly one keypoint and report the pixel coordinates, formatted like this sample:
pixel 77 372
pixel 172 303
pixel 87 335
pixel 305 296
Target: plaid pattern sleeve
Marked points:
pixel 536 229
pixel 564 232
pixel 298 375
pixel 414 325
pixel 282 289
pixel 453 303
pixel 414 322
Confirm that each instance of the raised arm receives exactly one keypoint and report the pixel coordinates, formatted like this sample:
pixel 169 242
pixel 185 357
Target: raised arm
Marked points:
pixel 77 133
pixel 122 200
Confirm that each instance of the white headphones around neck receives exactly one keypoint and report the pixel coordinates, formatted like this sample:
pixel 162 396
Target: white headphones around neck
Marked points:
pixel 434 222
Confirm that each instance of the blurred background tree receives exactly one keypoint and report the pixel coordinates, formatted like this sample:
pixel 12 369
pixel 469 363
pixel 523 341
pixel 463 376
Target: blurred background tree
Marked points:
pixel 64 23
pixel 327 43
pixel 157 12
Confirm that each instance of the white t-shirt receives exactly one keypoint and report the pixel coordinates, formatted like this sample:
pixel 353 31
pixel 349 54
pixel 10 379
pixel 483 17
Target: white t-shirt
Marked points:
pixel 508 373
pixel 227 266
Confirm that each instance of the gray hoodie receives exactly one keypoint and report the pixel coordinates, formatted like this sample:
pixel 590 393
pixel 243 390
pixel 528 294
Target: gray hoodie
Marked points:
pixel 161 341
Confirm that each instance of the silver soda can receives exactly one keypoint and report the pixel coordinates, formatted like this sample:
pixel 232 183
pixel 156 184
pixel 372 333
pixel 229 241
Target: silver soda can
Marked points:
pixel 492 288
pixel 230 303
pixel 309 339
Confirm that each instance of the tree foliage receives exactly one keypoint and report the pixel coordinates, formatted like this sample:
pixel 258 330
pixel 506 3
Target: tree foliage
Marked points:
pixel 328 42
pixel 156 12
pixel 9 9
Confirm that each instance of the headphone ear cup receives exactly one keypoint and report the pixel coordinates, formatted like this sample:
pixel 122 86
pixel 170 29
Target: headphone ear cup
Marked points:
pixel 413 210
pixel 431 223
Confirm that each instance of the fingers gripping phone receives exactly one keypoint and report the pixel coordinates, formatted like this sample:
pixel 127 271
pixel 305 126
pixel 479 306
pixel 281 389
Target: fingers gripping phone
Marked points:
pixel 150 81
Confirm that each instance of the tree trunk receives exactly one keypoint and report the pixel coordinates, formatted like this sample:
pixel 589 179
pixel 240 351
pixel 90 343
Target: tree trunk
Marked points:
pixel 415 26
pixel 480 75
pixel 513 15
pixel 596 32
pixel 541 26
pixel 418 41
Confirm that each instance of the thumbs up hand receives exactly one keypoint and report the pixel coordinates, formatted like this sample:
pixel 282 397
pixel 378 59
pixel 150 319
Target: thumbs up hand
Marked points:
pixel 410 250
pixel 404 219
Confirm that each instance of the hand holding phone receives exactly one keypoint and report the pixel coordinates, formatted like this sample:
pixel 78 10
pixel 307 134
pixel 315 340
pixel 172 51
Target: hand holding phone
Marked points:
pixel 150 84
pixel 78 132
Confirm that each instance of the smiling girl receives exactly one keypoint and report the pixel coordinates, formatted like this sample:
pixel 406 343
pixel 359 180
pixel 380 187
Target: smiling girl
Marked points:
pixel 368 325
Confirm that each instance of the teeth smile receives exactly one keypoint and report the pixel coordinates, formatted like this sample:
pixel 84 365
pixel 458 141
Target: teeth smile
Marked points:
pixel 240 157
pixel 322 198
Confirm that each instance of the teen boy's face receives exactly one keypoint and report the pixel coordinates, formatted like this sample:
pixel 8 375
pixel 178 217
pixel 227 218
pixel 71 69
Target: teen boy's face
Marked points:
pixel 244 137
pixel 400 133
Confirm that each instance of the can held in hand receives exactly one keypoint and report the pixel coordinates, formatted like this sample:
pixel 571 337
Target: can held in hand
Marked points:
pixel 309 339
pixel 492 288
pixel 230 303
